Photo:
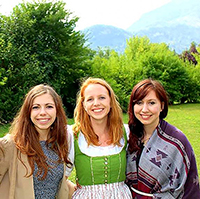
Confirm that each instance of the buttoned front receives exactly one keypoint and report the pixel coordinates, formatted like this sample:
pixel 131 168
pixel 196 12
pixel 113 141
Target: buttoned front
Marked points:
pixel 101 169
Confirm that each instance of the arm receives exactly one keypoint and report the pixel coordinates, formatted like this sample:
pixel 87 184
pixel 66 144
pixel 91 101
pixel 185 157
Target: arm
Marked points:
pixel 185 176
pixel 5 155
pixel 71 187
pixel 71 149
pixel 191 188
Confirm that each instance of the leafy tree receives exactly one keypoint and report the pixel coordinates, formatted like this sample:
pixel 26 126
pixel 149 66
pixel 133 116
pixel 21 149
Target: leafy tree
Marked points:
pixel 142 59
pixel 157 61
pixel 3 78
pixel 189 55
pixel 194 74
pixel 44 48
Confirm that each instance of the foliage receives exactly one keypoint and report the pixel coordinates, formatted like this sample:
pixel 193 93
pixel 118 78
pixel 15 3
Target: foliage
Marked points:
pixel 39 44
pixel 142 59
pixel 189 55
pixel 192 66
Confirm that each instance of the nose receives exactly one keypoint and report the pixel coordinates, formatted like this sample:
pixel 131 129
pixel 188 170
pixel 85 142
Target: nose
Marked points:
pixel 96 102
pixel 42 111
pixel 145 107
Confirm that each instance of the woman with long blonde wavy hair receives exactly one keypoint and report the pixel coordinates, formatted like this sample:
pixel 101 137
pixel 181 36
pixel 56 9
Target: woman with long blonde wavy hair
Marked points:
pixel 99 143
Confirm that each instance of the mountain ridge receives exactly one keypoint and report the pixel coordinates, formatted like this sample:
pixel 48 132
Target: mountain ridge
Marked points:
pixel 176 23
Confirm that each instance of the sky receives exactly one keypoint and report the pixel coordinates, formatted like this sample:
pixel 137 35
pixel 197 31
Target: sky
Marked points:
pixel 118 13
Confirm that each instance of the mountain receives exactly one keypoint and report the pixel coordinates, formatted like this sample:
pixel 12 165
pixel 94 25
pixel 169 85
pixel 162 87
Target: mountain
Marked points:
pixel 184 12
pixel 107 36
pixel 176 23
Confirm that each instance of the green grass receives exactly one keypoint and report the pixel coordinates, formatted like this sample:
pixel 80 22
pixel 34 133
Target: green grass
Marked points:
pixel 186 117
pixel 4 129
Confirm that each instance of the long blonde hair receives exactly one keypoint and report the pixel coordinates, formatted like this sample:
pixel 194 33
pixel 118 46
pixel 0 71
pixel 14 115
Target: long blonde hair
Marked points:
pixel 82 119
pixel 26 137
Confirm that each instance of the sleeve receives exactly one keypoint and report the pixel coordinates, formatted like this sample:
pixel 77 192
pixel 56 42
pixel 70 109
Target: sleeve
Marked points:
pixel 191 188
pixel 187 176
pixel 127 130
pixel 5 156
pixel 126 127
pixel 71 149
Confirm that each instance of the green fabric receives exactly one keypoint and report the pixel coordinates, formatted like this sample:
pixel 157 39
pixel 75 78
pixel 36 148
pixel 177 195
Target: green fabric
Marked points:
pixel 100 170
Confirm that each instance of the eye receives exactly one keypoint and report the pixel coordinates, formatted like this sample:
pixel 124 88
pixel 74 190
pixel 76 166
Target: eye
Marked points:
pixel 50 106
pixel 35 107
pixel 152 103
pixel 139 102
pixel 102 97
pixel 89 99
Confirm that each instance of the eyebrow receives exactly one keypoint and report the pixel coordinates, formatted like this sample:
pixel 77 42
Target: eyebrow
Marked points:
pixel 44 104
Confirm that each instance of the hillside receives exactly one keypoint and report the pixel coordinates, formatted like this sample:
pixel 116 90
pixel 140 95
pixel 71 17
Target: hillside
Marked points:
pixel 107 36
pixel 182 12
pixel 176 23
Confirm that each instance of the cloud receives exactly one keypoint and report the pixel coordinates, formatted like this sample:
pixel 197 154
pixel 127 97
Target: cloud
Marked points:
pixel 119 13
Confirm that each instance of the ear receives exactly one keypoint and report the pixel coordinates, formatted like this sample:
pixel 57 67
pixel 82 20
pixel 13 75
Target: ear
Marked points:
pixel 162 106
pixel 84 106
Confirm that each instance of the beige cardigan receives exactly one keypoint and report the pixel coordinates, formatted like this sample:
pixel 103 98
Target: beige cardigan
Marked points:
pixel 13 184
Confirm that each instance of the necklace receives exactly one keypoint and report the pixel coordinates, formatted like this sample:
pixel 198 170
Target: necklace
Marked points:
pixel 145 140
pixel 104 142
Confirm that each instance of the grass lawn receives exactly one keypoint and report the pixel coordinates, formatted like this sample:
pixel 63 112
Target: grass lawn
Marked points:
pixel 186 117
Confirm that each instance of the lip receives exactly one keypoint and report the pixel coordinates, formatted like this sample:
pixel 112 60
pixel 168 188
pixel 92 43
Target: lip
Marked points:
pixel 145 117
pixel 43 120
pixel 97 110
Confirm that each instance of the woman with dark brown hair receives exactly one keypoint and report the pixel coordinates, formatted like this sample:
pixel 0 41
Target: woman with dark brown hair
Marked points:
pixel 99 143
pixel 35 152
pixel 160 160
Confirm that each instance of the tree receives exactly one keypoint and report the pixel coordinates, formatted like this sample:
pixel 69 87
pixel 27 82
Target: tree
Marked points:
pixel 45 48
pixel 189 55
pixel 142 59
pixel 157 61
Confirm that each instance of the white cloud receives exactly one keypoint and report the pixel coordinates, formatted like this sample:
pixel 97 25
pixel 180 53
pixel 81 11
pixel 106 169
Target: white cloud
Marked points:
pixel 119 13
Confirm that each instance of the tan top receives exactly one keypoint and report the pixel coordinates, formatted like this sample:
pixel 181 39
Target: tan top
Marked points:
pixel 13 184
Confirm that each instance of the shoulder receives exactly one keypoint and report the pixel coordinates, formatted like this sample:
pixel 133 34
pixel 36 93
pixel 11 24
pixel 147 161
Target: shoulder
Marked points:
pixel 70 134
pixel 7 142
pixel 175 136
pixel 173 131
pixel 126 127
pixel 7 145
pixel 69 129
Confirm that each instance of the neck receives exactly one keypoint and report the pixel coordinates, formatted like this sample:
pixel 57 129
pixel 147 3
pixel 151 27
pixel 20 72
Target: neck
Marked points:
pixel 149 129
pixel 102 131
pixel 43 135
pixel 99 127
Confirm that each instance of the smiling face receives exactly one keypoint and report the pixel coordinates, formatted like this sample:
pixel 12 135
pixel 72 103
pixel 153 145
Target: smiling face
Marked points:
pixel 96 102
pixel 43 114
pixel 148 109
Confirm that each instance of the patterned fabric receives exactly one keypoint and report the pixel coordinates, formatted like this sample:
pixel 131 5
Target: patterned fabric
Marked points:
pixel 166 168
pixel 108 164
pixel 48 188
pixel 110 191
